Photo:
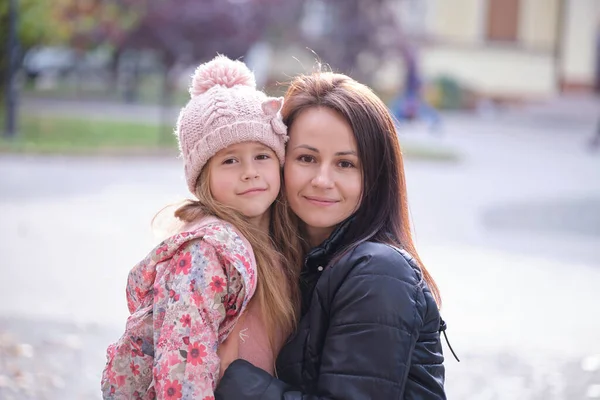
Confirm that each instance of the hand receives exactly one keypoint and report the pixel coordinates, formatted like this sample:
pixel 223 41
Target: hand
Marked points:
pixel 244 381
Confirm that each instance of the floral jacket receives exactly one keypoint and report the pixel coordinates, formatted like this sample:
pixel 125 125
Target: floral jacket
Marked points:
pixel 185 297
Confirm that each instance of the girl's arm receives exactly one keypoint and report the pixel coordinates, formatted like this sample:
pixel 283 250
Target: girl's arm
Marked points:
pixel 186 360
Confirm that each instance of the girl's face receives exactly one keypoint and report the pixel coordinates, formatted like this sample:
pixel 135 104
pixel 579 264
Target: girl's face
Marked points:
pixel 246 176
pixel 322 172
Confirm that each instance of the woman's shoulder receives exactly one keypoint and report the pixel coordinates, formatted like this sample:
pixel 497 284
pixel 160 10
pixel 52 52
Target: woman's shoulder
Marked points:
pixel 372 258
pixel 390 277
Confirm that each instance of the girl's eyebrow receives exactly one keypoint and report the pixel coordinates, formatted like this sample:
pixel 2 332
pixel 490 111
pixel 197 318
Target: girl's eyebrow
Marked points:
pixel 262 147
pixel 258 147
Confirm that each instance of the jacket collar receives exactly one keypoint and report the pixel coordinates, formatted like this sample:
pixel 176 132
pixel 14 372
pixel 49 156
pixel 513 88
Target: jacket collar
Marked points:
pixel 321 255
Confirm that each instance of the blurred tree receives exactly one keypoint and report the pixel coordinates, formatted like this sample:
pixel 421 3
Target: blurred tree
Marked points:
pixel 85 24
pixel 191 31
pixel 82 24
pixel 355 31
pixel 187 32
pixel 33 28
pixel 88 24
pixel 195 30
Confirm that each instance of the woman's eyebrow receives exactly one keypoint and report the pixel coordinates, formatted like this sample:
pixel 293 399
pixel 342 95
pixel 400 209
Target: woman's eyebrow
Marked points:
pixel 305 146
pixel 339 153
pixel 346 153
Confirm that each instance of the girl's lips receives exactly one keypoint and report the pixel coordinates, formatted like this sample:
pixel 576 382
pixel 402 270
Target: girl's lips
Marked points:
pixel 320 201
pixel 252 191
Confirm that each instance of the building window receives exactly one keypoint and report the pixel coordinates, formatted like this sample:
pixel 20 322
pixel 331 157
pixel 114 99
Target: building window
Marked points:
pixel 503 20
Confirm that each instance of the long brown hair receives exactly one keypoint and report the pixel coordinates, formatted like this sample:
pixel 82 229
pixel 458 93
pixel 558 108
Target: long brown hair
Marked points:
pixel 277 288
pixel 383 214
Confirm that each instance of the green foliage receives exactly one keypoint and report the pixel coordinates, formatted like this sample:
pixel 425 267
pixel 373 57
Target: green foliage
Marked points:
pixel 34 28
pixel 35 25
pixel 46 134
pixel 80 23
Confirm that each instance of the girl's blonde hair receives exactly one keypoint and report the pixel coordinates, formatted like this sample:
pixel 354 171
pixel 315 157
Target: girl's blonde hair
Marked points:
pixel 277 253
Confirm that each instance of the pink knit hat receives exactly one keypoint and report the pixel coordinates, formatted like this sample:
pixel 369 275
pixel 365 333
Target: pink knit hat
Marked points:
pixel 226 109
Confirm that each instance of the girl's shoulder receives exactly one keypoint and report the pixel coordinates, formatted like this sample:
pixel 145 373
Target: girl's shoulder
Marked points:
pixel 211 243
pixel 207 235
pixel 220 234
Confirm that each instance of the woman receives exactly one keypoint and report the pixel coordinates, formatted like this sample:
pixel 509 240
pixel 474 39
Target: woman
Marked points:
pixel 370 324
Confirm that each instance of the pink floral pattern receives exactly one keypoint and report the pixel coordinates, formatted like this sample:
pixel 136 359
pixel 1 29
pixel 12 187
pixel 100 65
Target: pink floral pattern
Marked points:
pixel 184 298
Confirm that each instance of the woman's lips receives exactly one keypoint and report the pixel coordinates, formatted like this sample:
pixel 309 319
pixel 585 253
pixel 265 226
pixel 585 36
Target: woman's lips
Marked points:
pixel 320 201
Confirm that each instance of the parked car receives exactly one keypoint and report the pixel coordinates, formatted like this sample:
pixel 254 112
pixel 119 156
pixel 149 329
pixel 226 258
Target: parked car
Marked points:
pixel 49 60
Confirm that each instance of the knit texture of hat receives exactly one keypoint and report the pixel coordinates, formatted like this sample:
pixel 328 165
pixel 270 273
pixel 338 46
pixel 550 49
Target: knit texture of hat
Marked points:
pixel 225 109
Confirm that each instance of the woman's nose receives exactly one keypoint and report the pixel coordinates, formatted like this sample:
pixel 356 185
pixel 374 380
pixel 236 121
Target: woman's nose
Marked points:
pixel 323 179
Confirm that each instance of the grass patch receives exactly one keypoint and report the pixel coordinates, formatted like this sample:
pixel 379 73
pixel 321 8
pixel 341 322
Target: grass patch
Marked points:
pixel 413 151
pixel 47 134
pixel 149 91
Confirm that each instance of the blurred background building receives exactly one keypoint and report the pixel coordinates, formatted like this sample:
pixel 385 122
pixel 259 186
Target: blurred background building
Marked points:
pixel 510 49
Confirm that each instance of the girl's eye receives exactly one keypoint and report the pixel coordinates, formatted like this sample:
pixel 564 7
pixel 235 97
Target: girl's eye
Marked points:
pixel 263 157
pixel 306 159
pixel 345 164
pixel 229 161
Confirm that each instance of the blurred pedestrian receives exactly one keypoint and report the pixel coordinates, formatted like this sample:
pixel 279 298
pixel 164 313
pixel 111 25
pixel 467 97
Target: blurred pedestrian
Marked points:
pixel 370 322
pixel 409 105
pixel 595 141
pixel 217 290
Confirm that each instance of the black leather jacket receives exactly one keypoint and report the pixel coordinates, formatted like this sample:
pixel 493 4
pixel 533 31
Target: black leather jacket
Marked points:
pixel 369 330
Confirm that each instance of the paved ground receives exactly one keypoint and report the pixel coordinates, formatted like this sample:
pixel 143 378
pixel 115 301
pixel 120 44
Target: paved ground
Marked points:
pixel 511 232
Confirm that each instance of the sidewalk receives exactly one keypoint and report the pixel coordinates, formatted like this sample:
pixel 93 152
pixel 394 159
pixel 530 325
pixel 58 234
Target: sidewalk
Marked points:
pixel 42 359
pixel 65 363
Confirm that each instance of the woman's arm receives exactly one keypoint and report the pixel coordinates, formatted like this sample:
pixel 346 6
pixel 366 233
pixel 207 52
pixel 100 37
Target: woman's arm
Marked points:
pixel 375 318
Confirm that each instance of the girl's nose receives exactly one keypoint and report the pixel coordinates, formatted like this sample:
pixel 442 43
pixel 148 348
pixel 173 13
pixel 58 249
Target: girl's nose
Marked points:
pixel 250 172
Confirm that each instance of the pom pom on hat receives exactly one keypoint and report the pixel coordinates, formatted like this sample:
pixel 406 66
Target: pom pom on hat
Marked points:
pixel 221 71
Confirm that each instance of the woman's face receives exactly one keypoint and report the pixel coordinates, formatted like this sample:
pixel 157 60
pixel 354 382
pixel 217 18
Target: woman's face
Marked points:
pixel 322 172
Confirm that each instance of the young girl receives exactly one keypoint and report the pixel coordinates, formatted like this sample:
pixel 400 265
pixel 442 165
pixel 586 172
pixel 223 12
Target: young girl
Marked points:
pixel 217 290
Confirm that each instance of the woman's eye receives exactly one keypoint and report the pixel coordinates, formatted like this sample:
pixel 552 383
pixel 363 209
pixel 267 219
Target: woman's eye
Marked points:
pixel 346 164
pixel 306 159
pixel 263 157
